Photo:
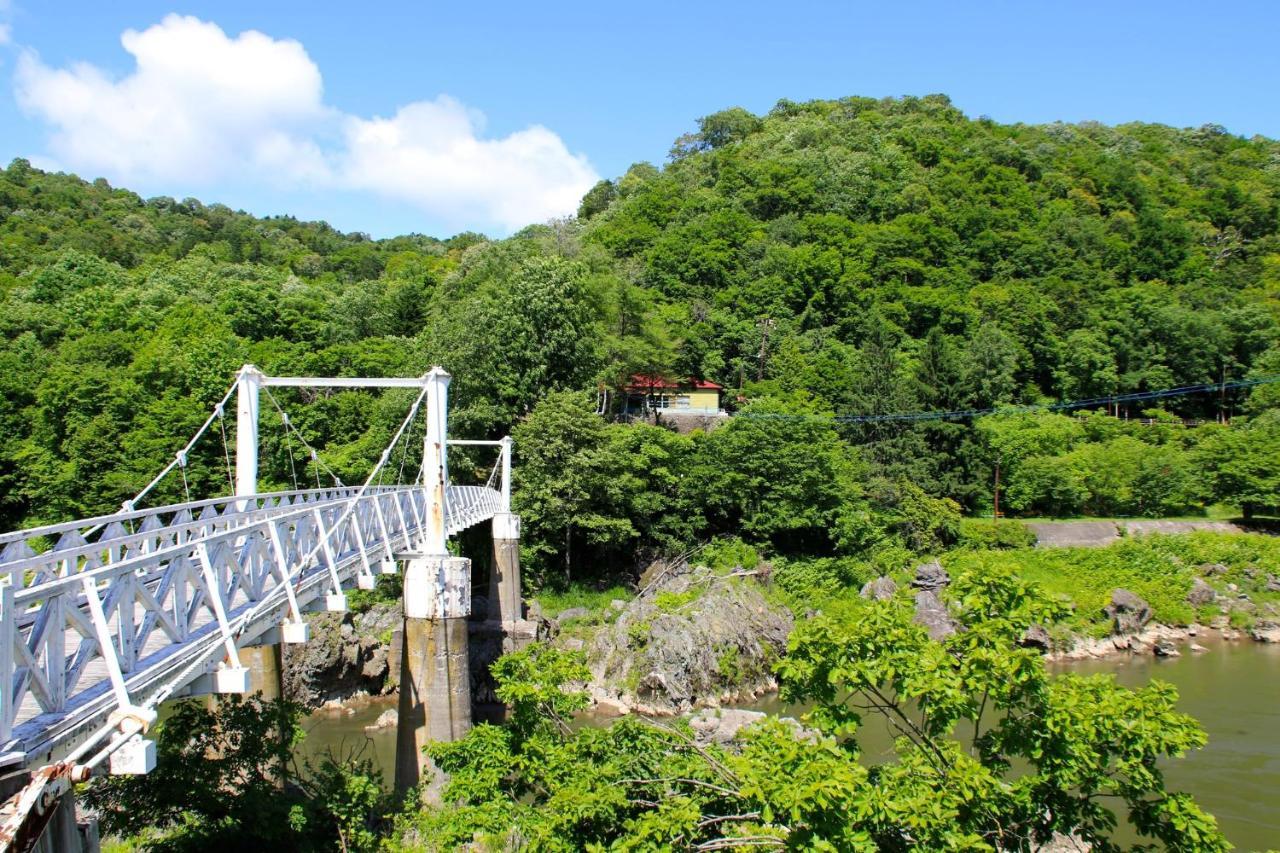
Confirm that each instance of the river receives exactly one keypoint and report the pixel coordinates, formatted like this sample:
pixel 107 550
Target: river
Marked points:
pixel 1233 689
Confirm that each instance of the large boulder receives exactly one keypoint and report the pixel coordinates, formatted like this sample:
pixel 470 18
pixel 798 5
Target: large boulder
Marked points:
pixel 1201 593
pixel 1265 631
pixel 930 576
pixel 1128 612
pixel 722 725
pixel 719 646
pixel 1036 637
pixel 346 655
pixel 933 615
pixel 1272 584
pixel 880 589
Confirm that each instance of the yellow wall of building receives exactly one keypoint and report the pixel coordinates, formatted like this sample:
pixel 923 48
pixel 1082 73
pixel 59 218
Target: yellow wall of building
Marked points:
pixel 703 399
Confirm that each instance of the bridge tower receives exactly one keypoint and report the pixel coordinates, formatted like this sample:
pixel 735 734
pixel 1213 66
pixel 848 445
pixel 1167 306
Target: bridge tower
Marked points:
pixel 435 670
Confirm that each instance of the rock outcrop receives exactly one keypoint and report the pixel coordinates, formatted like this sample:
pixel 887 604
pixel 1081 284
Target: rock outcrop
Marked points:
pixel 693 639
pixel 931 577
pixel 722 726
pixel 1037 637
pixel 1128 612
pixel 880 589
pixel 1201 593
pixel 933 615
pixel 347 655
pixel 1265 631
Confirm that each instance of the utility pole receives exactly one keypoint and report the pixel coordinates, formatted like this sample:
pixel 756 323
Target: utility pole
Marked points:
pixel 765 325
pixel 995 513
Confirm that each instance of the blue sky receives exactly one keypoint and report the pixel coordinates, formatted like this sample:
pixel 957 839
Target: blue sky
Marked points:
pixel 435 118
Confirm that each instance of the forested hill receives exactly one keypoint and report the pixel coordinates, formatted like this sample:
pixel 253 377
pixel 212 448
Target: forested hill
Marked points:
pixel 853 256
pixel 1064 260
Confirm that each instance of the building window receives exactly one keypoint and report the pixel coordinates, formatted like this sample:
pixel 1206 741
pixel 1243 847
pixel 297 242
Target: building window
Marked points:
pixel 659 401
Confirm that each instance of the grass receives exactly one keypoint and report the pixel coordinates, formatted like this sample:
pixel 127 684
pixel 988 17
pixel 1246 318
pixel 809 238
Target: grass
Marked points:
pixel 1160 569
pixel 670 602
pixel 555 602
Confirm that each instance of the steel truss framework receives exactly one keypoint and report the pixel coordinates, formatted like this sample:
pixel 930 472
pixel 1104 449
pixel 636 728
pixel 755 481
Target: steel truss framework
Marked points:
pixel 129 609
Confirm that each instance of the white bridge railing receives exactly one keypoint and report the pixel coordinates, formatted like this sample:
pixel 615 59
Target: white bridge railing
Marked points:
pixel 135 607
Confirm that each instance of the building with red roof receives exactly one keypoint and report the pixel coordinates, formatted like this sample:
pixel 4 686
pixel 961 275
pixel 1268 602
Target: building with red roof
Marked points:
pixel 673 396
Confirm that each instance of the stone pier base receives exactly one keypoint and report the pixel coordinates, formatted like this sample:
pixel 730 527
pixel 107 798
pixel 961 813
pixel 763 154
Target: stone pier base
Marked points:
pixel 505 603
pixel 435 693
pixel 263 663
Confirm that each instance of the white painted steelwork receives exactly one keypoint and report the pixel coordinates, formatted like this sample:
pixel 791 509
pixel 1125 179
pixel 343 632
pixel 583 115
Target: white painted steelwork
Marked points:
pixel 160 599
pixel 103 618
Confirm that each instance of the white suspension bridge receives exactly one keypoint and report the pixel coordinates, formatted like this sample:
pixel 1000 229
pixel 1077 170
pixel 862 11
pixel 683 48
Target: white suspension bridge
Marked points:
pixel 103 619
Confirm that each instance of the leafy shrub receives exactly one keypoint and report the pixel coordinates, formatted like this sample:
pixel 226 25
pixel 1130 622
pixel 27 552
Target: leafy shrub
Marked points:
pixel 669 602
pixel 554 603
pixel 729 554
pixel 1086 577
pixel 820 578
pixel 984 534
pixel 1040 754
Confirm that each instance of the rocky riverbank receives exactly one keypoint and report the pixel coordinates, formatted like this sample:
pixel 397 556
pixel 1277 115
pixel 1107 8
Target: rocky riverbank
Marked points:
pixel 692 638
pixel 697 638
pixel 349 655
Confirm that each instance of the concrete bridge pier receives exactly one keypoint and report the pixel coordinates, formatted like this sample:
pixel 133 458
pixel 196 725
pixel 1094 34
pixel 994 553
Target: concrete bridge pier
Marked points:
pixel 504 580
pixel 266 674
pixel 435 675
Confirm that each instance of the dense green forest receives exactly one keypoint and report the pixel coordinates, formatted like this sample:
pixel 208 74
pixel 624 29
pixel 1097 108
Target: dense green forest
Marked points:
pixel 827 261
pixel 841 257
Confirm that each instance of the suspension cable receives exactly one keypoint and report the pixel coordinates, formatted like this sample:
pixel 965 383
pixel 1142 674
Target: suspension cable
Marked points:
pixel 226 454
pixel 288 443
pixel 289 427
pixel 180 458
pixel 118 738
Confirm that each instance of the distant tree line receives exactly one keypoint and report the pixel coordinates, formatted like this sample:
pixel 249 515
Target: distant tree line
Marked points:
pixel 856 256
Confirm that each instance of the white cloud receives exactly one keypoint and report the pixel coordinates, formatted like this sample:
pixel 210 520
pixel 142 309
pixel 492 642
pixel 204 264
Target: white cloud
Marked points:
pixel 198 107
pixel 431 154
pixel 202 107
pixel 6 34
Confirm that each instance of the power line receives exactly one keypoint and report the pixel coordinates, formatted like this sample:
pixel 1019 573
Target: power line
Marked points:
pixel 1137 396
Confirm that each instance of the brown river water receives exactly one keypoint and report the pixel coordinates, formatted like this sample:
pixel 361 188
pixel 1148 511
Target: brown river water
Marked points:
pixel 1233 689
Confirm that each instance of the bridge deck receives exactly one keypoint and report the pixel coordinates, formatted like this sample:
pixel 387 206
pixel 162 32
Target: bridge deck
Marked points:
pixel 174 586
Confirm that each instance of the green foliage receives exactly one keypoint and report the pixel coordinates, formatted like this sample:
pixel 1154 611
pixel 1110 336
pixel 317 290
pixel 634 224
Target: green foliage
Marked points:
pixel 1086 576
pixel 553 602
pixel 729 554
pixel 669 602
pixel 847 256
pixel 778 478
pixel 343 799
pixel 993 753
pixel 1098 466
pixel 218 777
pixel 386 590
pixel 923 523
pixel 808 582
pixel 986 535
pixel 1080 740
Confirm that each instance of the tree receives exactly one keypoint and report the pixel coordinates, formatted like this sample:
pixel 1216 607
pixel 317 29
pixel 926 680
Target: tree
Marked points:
pixel 509 349
pixel 992 752
pixel 218 777
pixel 779 473
pixel 1087 368
pixel 563 487
pixel 1242 464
